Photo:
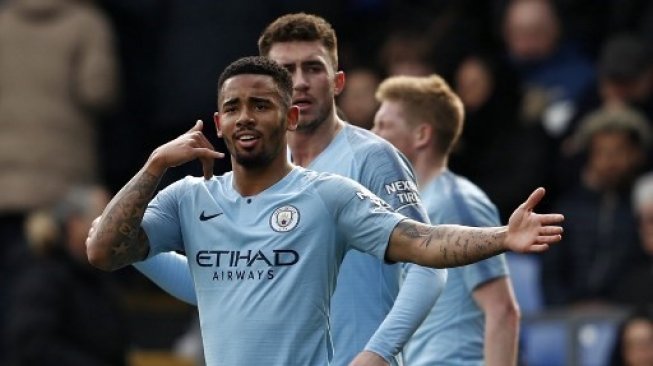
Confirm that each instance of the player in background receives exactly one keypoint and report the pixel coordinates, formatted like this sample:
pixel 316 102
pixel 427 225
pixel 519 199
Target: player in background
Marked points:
pixel 476 319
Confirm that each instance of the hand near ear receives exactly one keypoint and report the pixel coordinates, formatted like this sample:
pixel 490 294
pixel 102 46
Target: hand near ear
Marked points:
pixel 189 146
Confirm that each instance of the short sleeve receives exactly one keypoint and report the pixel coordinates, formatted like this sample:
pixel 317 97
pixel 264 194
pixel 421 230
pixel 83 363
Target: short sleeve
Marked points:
pixel 161 221
pixel 387 173
pixel 364 220
pixel 486 270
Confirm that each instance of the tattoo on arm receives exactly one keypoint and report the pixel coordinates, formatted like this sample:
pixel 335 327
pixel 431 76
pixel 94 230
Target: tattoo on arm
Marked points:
pixel 451 245
pixel 420 232
pixel 122 219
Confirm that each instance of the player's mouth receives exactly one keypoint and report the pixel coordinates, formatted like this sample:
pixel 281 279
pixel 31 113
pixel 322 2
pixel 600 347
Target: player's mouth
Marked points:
pixel 247 139
pixel 303 103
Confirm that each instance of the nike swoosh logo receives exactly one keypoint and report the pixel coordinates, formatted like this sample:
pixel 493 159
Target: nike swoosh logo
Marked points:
pixel 209 217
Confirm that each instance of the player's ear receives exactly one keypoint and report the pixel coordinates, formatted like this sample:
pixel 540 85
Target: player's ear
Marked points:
pixel 339 82
pixel 216 120
pixel 423 134
pixel 292 118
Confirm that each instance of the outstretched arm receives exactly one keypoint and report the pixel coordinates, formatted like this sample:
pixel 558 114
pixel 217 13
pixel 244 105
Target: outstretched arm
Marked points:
pixel 116 238
pixel 453 245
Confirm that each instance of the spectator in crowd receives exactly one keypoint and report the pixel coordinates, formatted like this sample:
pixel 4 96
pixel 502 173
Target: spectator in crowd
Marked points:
pixel 630 16
pixel 491 94
pixel 625 70
pixel 625 77
pixel 635 287
pixel 64 311
pixel 634 346
pixel 601 240
pixel 556 74
pixel 405 53
pixel 57 75
pixel 626 73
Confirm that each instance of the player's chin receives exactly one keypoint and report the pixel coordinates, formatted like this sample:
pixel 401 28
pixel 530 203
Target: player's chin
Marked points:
pixel 247 152
pixel 306 118
pixel 252 159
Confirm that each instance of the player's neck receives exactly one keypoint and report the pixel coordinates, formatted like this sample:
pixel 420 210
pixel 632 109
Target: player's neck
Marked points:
pixel 305 146
pixel 250 181
pixel 428 167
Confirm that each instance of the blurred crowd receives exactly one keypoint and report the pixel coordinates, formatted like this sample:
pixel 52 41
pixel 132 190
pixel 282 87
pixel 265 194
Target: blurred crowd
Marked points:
pixel 556 93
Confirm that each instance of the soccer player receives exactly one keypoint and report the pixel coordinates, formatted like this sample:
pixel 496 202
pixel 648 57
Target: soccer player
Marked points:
pixel 367 288
pixel 476 319
pixel 265 241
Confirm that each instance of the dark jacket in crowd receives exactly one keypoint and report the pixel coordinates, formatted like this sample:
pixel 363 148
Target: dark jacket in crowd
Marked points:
pixel 64 313
pixel 600 245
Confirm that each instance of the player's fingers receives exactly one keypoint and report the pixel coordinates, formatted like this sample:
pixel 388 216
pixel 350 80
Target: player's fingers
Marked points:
pixel 534 199
pixel 551 230
pixel 194 140
pixel 206 153
pixel 197 140
pixel 207 157
pixel 538 248
pixel 199 125
pixel 548 239
pixel 204 142
pixel 207 168
pixel 551 219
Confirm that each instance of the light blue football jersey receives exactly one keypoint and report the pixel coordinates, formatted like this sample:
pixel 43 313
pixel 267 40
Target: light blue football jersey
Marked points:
pixel 265 266
pixel 453 332
pixel 367 287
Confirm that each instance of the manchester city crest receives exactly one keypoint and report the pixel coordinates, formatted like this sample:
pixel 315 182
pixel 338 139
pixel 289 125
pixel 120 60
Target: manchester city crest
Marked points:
pixel 284 219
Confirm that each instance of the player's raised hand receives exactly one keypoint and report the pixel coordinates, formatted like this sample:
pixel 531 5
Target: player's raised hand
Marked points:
pixel 189 146
pixel 529 232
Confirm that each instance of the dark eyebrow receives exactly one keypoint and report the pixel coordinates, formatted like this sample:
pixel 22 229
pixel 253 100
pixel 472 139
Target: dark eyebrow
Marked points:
pixel 230 101
pixel 260 99
pixel 313 63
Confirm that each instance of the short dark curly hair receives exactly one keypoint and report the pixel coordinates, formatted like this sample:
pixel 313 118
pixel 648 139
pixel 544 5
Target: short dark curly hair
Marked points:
pixel 260 65
pixel 300 27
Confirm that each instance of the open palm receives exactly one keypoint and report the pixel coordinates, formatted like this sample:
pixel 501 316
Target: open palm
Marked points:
pixel 529 232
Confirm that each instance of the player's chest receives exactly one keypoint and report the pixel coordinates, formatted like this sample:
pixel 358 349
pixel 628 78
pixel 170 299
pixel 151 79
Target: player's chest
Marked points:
pixel 252 225
pixel 257 242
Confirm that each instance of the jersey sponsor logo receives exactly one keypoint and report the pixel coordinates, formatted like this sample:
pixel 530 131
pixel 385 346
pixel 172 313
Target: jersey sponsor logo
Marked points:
pixel 245 265
pixel 204 217
pixel 404 190
pixel 284 218
pixel 247 258
pixel 243 275
pixel 379 204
